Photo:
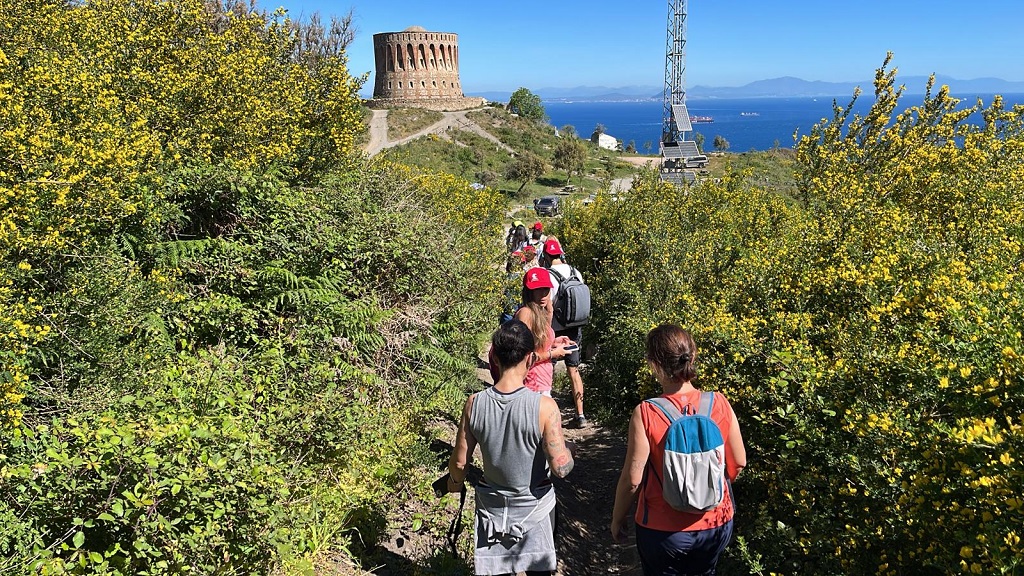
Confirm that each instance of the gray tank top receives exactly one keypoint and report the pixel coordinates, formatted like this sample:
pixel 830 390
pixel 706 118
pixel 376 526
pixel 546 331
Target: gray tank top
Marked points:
pixel 507 427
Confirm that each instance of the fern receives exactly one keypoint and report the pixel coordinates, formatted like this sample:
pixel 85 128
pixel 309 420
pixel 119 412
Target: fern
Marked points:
pixel 173 253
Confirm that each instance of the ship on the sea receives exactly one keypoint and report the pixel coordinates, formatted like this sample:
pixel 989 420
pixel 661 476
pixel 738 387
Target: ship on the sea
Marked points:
pixel 701 119
pixel 750 113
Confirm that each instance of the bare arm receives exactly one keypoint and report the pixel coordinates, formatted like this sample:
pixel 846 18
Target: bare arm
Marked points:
pixel 735 451
pixel 560 460
pixel 465 444
pixel 637 451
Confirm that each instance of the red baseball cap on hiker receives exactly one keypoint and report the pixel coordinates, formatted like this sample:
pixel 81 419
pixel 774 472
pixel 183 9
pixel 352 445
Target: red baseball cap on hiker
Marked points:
pixel 537 278
pixel 553 248
pixel 538 226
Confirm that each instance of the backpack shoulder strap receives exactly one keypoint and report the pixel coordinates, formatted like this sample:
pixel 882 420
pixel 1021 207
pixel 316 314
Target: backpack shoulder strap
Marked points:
pixel 561 279
pixel 574 273
pixel 707 402
pixel 667 408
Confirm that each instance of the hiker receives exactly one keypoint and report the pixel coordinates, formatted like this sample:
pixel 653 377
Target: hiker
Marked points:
pixel 536 312
pixel 670 541
pixel 520 437
pixel 537 237
pixel 509 237
pixel 553 258
pixel 519 239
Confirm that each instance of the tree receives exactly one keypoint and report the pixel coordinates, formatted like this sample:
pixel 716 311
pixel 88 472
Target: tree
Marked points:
pixel 648 145
pixel 570 156
pixel 598 130
pixel 720 143
pixel 525 168
pixel 526 104
pixel 569 131
pixel 699 139
pixel 486 177
pixel 631 147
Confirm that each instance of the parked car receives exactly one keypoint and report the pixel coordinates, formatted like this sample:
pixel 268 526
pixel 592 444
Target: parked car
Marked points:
pixel 696 161
pixel 548 206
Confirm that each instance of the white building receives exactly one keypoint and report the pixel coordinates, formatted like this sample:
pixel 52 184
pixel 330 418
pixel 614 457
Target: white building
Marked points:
pixel 605 141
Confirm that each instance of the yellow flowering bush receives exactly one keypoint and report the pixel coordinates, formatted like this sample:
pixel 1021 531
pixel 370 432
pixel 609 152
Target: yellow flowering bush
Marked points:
pixel 866 330
pixel 221 331
pixel 102 103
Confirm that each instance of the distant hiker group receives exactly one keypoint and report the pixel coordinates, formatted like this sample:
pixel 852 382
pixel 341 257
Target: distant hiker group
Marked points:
pixel 684 447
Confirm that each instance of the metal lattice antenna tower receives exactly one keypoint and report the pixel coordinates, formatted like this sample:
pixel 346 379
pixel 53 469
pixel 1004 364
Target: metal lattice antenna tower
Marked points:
pixel 675 69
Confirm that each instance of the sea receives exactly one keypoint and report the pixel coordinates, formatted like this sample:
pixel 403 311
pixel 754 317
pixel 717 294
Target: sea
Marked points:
pixel 746 123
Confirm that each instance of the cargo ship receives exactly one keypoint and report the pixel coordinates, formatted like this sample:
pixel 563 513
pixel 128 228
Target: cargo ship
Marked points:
pixel 701 119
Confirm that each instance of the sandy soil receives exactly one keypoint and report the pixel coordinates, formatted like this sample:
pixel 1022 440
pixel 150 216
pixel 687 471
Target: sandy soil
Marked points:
pixel 641 161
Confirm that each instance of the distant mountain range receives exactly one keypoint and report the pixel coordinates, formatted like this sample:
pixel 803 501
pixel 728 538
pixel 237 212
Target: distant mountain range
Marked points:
pixel 785 87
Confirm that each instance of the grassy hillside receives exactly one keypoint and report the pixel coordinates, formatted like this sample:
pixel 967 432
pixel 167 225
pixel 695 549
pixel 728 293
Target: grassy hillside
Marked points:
pixel 470 156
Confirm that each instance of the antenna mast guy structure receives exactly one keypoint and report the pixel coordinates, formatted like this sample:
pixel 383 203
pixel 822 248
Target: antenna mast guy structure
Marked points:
pixel 676 126
pixel 675 73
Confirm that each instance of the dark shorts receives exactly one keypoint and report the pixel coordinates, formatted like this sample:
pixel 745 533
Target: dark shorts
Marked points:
pixel 681 553
pixel 576 335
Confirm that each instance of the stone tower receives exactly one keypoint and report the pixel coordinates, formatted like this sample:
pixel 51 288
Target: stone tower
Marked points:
pixel 418 68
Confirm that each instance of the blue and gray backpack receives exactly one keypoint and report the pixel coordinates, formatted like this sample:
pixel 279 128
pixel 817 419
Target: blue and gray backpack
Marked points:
pixel 693 472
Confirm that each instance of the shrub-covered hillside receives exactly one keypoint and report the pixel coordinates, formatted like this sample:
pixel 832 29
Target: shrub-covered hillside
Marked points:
pixel 220 332
pixel 868 335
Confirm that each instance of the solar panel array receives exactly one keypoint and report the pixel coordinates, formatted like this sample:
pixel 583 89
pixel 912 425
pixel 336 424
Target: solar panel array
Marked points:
pixel 671 150
pixel 688 149
pixel 682 118
pixel 679 178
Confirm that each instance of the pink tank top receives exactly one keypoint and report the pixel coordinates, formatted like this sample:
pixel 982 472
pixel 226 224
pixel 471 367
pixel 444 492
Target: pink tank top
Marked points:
pixel 542 373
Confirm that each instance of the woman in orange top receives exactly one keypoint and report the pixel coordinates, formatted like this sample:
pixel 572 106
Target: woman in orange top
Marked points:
pixel 671 542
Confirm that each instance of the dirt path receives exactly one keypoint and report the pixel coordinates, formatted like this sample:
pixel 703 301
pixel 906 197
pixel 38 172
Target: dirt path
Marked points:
pixel 378 132
pixel 449 121
pixel 585 503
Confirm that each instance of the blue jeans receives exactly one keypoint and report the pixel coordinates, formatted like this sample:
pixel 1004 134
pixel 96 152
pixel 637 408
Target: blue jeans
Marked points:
pixel 693 553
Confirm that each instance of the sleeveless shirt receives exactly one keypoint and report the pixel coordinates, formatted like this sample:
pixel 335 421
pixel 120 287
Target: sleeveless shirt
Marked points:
pixel 541 375
pixel 652 511
pixel 507 428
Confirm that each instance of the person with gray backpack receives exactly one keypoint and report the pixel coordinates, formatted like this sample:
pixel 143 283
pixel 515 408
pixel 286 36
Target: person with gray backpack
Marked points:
pixel 684 450
pixel 570 298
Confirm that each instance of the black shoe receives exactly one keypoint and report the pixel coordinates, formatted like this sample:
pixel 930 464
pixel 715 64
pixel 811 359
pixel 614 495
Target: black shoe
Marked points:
pixel 581 421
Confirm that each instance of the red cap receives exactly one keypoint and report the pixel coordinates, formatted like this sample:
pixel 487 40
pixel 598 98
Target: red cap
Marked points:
pixel 537 278
pixel 538 226
pixel 553 248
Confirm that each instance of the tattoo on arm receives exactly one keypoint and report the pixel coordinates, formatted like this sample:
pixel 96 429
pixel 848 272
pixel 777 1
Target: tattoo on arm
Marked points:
pixel 559 459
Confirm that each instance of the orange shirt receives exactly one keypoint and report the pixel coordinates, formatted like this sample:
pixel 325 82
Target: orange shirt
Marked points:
pixel 652 511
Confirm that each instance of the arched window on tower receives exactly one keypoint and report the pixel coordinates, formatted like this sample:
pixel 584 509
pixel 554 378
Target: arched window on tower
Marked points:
pixel 422 57
pixel 412 57
pixel 433 57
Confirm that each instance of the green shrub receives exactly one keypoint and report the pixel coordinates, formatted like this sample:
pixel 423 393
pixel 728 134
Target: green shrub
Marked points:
pixel 867 334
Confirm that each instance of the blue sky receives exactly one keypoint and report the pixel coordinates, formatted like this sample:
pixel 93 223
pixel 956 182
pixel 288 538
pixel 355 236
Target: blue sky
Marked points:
pixel 566 43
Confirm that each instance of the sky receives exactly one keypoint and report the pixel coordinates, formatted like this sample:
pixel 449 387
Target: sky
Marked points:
pixel 541 44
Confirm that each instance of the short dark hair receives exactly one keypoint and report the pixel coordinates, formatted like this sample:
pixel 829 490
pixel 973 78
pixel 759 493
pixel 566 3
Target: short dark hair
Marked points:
pixel 673 350
pixel 511 342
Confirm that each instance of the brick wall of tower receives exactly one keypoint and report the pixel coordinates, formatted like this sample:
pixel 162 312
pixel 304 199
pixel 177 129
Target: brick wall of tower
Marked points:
pixel 416 66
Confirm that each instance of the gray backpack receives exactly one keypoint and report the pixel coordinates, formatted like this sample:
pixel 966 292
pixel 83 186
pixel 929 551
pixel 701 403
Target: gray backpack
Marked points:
pixel 572 303
pixel 693 472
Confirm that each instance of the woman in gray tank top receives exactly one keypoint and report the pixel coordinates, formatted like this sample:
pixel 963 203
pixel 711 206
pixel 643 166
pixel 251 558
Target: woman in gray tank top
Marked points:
pixel 520 436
